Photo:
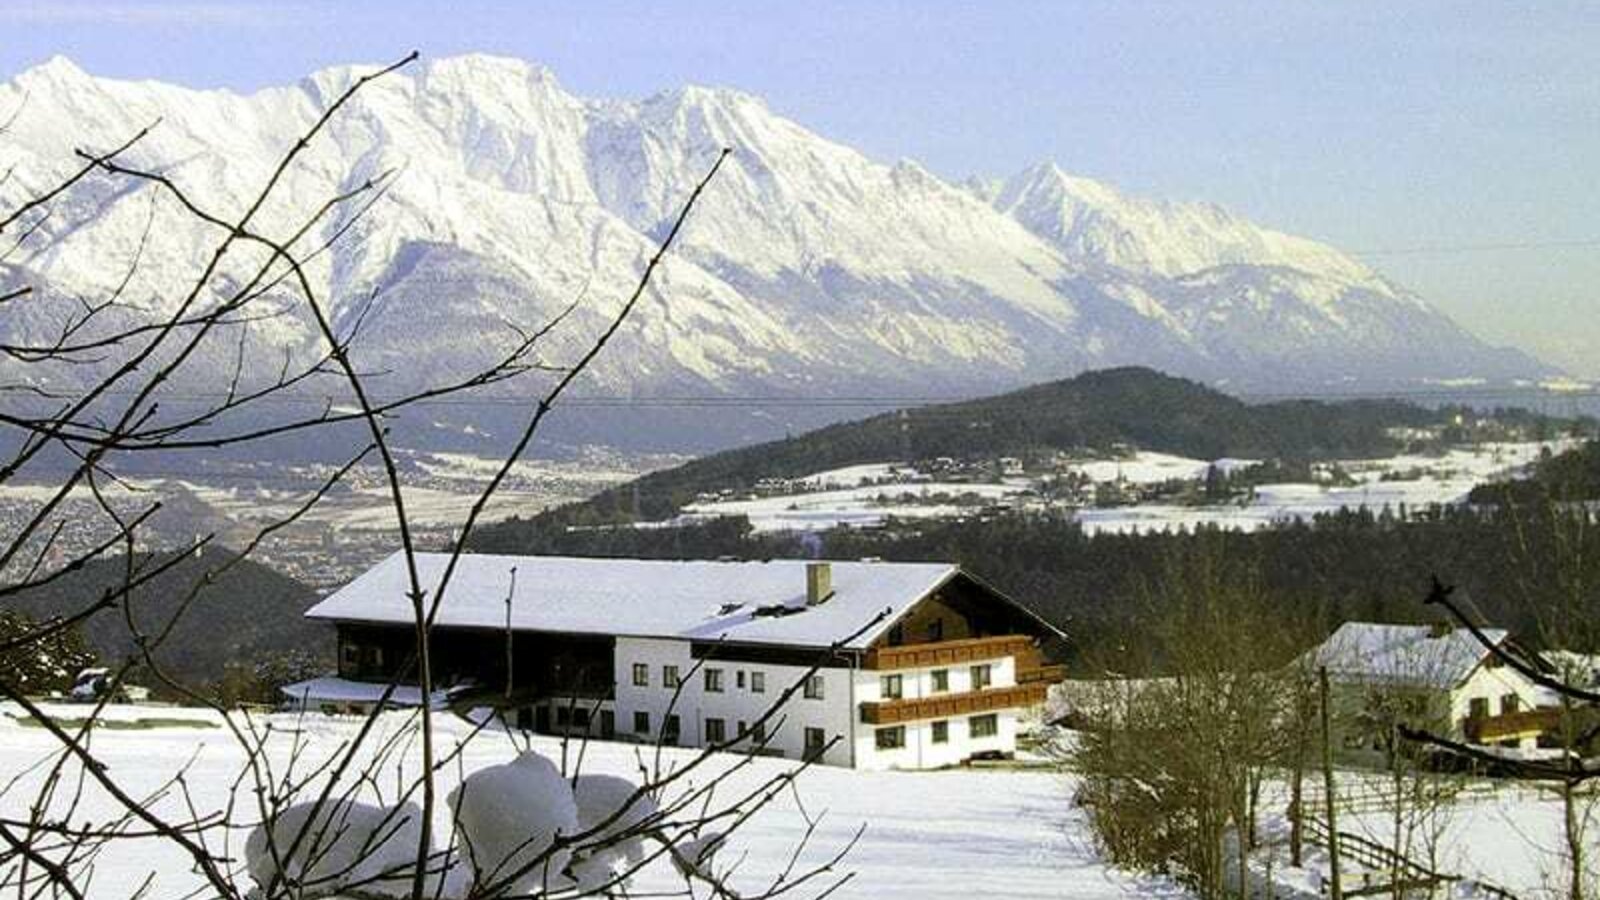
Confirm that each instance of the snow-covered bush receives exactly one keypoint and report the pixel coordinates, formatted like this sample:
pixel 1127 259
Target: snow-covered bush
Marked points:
pixel 620 844
pixel 342 845
pixel 507 820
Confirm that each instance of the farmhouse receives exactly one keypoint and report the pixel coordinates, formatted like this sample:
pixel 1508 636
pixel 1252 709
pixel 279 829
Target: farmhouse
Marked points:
pixel 892 665
pixel 1426 676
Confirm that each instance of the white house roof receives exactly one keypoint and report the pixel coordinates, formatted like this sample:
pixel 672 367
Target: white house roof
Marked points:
pixel 339 690
pixel 693 600
pixel 1404 655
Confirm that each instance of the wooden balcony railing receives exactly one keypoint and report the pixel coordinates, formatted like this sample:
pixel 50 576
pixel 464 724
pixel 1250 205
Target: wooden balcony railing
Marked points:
pixel 1042 675
pixel 942 706
pixel 1512 725
pixel 948 653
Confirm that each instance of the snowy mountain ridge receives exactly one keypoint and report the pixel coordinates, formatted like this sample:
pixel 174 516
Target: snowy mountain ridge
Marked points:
pixel 809 267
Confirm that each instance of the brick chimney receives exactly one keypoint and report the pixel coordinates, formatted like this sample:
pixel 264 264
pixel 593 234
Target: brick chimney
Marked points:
pixel 819 582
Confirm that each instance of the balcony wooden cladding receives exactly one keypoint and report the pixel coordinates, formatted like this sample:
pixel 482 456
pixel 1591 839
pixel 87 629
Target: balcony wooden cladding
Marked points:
pixel 1512 725
pixel 944 706
pixel 948 653
pixel 1045 674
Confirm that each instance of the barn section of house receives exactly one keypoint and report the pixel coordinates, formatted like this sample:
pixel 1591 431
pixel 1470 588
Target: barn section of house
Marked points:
pixel 918 665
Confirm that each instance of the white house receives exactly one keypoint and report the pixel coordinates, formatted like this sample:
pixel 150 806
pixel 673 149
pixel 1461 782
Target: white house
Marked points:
pixel 1427 676
pixel 891 665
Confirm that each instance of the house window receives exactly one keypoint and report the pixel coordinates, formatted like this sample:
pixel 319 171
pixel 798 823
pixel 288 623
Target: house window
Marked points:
pixel 1478 708
pixel 758 732
pixel 891 738
pixel 739 679
pixel 816 741
pixel 716 731
pixel 1509 703
pixel 897 636
pixel 814 687
pixel 352 658
pixel 982 677
pixel 941 732
pixel 941 680
pixel 713 681
pixel 641 674
pixel 758 682
pixel 892 687
pixel 983 726
pixel 936 631
pixel 641 723
pixel 670 729
pixel 669 676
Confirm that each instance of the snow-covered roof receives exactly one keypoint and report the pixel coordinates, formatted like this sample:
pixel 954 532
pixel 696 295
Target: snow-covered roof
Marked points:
pixel 694 600
pixel 339 690
pixel 1403 655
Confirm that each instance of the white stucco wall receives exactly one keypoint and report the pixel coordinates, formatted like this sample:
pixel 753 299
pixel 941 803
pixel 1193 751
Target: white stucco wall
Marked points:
pixel 1491 683
pixel 920 751
pixel 837 713
pixel 735 704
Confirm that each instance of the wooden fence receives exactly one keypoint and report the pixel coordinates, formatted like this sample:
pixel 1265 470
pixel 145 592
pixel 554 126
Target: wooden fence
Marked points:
pixel 1383 861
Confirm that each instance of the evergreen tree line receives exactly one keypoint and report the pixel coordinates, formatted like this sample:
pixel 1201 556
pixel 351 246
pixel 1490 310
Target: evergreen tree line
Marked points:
pixel 1350 565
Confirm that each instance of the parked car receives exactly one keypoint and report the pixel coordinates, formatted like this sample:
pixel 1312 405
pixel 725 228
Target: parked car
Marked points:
pixel 91 686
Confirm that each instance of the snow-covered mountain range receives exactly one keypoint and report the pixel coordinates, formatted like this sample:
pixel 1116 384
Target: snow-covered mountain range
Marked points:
pixel 808 269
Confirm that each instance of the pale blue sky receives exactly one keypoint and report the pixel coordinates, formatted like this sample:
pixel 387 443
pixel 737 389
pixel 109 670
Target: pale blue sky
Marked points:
pixel 1376 126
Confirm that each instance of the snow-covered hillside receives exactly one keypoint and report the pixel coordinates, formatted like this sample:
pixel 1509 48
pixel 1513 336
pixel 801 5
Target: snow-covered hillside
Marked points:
pixel 809 269
pixel 868 496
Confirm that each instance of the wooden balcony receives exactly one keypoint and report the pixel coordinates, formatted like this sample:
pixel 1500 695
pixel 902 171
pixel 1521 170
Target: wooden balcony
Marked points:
pixel 948 653
pixel 1508 726
pixel 1042 675
pixel 944 706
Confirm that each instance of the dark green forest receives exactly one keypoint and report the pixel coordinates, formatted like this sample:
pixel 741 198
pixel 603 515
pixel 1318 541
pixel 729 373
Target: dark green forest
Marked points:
pixel 1568 477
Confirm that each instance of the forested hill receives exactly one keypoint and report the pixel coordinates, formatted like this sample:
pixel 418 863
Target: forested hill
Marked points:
pixel 1568 477
pixel 240 616
pixel 1095 410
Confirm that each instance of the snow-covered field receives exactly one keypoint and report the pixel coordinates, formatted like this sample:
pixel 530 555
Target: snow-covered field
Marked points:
pixel 1508 834
pixel 953 834
pixel 1412 481
pixel 856 506
pixel 956 834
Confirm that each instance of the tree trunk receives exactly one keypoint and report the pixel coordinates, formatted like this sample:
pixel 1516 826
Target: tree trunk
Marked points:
pixel 1335 886
pixel 1296 810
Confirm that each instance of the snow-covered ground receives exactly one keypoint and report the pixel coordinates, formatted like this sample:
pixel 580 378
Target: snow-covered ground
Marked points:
pixel 856 506
pixel 1505 833
pixel 929 835
pixel 953 834
pixel 851 498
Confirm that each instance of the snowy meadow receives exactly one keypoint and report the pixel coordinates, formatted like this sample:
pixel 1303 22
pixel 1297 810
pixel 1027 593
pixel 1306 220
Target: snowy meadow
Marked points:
pixel 950 834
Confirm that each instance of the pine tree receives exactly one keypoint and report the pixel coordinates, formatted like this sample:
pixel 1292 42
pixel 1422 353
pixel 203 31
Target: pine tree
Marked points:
pixel 48 664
